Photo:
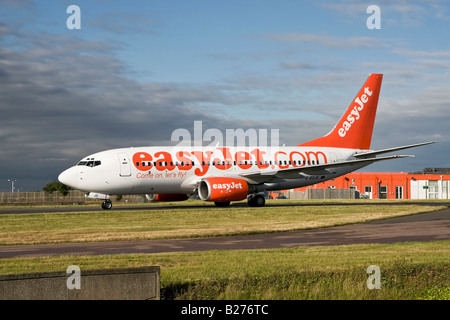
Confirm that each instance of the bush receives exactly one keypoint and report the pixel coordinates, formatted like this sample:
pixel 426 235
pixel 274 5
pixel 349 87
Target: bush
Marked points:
pixel 56 186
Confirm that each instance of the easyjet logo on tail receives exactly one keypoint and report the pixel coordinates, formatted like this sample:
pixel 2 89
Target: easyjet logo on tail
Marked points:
pixel 355 112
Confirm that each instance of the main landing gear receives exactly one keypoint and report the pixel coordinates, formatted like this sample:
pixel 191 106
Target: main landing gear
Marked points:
pixel 107 204
pixel 256 200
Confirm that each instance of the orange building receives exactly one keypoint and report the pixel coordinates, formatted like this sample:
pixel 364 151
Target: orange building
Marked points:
pixel 431 183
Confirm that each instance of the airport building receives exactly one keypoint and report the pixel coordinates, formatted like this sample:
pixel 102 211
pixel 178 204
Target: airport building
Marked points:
pixel 431 183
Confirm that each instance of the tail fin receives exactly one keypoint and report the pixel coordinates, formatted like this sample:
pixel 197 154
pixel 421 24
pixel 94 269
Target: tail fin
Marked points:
pixel 354 130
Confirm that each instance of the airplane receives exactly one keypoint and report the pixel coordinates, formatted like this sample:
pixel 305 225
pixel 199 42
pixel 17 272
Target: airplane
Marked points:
pixel 222 174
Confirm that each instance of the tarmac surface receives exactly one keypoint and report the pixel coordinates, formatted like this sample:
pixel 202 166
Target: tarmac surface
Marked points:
pixel 420 227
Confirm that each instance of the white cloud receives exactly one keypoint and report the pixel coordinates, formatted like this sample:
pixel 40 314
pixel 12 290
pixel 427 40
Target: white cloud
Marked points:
pixel 422 53
pixel 329 41
pixel 398 13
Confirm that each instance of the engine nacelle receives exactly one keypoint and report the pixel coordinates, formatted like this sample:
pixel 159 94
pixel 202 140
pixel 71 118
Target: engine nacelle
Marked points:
pixel 223 189
pixel 166 197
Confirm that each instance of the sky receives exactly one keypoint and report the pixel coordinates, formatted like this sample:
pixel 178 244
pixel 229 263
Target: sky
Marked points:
pixel 136 71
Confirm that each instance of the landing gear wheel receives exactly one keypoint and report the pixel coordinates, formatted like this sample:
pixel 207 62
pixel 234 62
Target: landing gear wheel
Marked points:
pixel 222 204
pixel 257 200
pixel 107 204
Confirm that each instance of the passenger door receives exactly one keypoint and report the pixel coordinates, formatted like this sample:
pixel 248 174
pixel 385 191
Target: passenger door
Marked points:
pixel 124 160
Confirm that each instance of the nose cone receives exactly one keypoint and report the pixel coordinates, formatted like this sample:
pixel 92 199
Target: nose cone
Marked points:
pixel 66 177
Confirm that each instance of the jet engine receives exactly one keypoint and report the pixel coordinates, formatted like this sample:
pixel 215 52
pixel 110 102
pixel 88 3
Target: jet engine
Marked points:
pixel 222 189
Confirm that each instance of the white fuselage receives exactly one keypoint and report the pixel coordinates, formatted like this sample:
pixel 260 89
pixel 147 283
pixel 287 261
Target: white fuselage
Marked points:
pixel 178 170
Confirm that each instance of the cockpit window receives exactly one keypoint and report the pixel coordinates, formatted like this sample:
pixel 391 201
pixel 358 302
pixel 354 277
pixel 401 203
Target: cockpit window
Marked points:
pixel 90 163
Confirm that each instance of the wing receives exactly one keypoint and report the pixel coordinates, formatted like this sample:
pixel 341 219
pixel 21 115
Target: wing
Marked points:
pixel 362 159
pixel 321 169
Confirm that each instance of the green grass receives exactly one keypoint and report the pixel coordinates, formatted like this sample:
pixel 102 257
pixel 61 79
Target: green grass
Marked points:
pixel 408 271
pixel 185 222
pixel 414 270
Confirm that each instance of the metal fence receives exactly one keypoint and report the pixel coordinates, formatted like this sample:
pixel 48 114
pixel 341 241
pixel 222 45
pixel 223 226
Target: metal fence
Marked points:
pixel 323 194
pixel 78 197
pixel 55 198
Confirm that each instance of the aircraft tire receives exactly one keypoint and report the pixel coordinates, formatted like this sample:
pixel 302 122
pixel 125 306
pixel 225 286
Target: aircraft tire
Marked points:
pixel 106 205
pixel 256 201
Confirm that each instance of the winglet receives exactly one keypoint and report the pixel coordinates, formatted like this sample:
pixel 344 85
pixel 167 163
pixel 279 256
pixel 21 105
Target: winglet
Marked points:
pixel 354 129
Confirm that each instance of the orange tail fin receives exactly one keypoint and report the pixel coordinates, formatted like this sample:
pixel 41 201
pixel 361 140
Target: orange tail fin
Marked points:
pixel 354 130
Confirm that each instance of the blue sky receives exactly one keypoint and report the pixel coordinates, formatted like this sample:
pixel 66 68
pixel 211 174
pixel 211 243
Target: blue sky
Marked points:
pixel 138 70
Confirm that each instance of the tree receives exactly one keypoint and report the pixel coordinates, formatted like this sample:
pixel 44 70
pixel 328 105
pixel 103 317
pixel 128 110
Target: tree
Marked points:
pixel 56 186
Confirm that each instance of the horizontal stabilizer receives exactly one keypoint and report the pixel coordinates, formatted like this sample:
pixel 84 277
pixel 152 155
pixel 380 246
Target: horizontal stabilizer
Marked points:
pixel 377 152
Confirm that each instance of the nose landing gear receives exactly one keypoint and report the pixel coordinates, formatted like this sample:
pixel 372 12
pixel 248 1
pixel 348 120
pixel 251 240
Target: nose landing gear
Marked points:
pixel 107 204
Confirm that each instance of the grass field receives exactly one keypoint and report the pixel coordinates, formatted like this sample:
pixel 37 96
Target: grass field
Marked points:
pixel 185 222
pixel 408 270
